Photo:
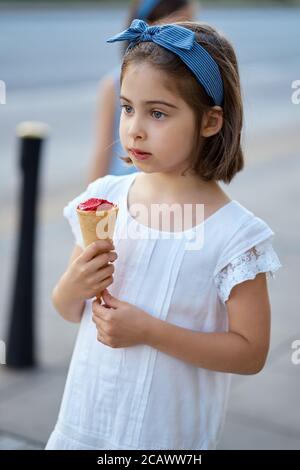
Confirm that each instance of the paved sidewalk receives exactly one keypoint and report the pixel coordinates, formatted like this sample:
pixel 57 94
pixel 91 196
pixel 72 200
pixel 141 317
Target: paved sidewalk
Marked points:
pixel 12 442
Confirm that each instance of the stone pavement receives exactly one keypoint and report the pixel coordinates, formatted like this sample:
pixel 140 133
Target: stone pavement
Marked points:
pixel 11 442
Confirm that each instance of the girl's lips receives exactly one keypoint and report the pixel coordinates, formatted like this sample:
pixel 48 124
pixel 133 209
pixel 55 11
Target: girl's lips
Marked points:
pixel 140 156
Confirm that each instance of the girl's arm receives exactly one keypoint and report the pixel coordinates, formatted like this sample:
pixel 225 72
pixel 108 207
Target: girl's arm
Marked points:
pixel 62 297
pixel 241 350
pixel 104 130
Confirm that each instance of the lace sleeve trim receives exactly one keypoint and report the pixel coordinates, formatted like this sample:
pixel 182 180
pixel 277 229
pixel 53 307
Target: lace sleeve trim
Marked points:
pixel 258 259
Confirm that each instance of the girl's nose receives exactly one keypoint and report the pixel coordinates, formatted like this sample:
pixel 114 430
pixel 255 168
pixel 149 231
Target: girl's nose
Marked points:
pixel 135 129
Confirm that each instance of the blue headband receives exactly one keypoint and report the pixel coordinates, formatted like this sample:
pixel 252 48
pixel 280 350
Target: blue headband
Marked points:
pixel 182 42
pixel 146 8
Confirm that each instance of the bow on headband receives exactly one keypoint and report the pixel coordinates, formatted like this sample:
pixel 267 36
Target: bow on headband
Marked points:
pixel 182 42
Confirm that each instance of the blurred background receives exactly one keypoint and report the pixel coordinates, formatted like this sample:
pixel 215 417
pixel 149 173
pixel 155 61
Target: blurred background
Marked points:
pixel 52 58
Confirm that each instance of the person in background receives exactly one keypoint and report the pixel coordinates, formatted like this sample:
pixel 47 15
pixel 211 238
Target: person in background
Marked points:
pixel 108 150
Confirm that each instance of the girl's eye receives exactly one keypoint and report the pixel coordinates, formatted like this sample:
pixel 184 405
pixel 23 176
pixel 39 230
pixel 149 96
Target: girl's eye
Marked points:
pixel 125 107
pixel 158 114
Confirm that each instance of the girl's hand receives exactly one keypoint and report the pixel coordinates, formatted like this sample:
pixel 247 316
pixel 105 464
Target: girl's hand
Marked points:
pixel 90 273
pixel 120 324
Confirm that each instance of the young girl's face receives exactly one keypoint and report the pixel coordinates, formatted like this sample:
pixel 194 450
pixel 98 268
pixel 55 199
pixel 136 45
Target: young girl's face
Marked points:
pixel 165 130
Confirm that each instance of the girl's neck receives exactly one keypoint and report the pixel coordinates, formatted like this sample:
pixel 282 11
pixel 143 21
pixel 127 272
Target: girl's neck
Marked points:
pixel 170 186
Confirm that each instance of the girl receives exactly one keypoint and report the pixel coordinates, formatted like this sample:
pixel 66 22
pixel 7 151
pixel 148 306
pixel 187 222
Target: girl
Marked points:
pixel 106 155
pixel 151 367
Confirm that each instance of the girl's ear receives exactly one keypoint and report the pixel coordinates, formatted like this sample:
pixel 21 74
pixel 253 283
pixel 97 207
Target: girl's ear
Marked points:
pixel 212 121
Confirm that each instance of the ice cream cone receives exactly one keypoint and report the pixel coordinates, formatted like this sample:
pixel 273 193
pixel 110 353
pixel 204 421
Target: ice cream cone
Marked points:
pixel 97 225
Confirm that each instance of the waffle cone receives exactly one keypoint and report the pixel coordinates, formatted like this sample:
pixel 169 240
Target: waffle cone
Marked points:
pixel 97 225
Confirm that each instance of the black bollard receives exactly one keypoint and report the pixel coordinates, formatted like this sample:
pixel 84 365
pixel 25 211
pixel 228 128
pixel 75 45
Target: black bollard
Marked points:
pixel 21 338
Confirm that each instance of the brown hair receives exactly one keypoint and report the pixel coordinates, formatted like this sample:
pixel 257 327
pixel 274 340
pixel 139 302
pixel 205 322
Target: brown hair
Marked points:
pixel 220 156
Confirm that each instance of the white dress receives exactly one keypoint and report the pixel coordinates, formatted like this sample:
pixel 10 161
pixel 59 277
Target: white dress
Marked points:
pixel 139 397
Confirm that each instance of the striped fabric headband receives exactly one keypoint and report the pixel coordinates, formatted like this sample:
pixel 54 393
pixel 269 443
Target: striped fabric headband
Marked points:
pixel 182 42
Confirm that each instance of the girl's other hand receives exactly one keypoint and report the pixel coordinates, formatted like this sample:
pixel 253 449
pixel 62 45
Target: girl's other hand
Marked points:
pixel 90 273
pixel 120 324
